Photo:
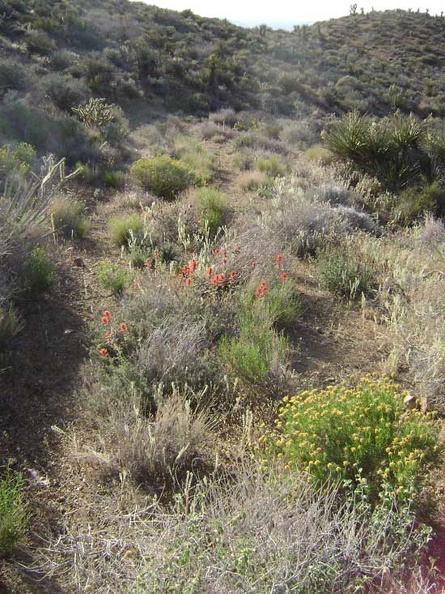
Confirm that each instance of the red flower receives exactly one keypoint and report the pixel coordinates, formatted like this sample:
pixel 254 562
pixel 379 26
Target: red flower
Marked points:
pixel 237 249
pixel 103 351
pixel 188 281
pixel 233 275
pixel 217 251
pixel 148 262
pixel 105 320
pixel 278 259
pixel 155 254
pixel 210 270
pixel 186 269
pixel 284 277
pixel 193 264
pixel 123 327
pixel 253 264
pixel 218 279
pixel 261 289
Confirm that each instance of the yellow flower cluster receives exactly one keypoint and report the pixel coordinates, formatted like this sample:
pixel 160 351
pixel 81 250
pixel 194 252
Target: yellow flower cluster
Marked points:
pixel 350 434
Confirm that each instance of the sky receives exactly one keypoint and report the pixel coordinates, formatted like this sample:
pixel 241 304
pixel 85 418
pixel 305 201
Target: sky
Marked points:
pixel 286 13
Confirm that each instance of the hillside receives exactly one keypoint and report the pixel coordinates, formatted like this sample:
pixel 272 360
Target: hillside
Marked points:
pixel 221 283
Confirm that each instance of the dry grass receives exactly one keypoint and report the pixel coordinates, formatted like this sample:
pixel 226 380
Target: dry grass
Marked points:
pixel 251 532
pixel 154 452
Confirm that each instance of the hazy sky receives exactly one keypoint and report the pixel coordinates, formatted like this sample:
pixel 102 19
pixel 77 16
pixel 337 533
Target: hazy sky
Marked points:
pixel 290 12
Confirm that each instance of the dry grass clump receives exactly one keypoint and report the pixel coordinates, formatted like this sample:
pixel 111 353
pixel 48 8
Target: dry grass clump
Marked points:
pixel 253 532
pixel 224 117
pixel 212 131
pixel 153 451
pixel 252 180
pixel 412 299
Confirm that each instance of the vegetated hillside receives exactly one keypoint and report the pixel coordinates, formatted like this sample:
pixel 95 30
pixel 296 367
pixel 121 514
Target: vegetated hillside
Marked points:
pixel 55 56
pixel 209 323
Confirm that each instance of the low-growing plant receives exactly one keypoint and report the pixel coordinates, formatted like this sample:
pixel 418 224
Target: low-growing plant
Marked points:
pixel 272 166
pixel 113 277
pixel 344 273
pixel 156 450
pixel 124 229
pixel 212 209
pixel 113 179
pixel 68 218
pixel 194 155
pixel 13 513
pixel 39 273
pixel 163 176
pixel 257 354
pixel 253 180
pixel 361 435
pixel 10 324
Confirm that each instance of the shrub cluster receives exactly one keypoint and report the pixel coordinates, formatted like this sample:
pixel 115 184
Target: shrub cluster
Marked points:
pixel 361 435
pixel 163 176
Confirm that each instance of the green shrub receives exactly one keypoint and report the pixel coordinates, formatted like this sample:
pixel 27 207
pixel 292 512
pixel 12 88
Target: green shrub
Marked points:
pixel 283 303
pixel 113 179
pixel 212 209
pixel 256 354
pixel 113 278
pixel 68 219
pixel 414 202
pixel 163 176
pixel 193 154
pixel 16 160
pixel 13 514
pixel 356 435
pixel 39 273
pixel 124 229
pixel 344 273
pixel 272 166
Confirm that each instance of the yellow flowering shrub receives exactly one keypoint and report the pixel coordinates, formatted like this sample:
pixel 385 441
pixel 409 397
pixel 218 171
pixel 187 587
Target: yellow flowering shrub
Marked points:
pixel 362 434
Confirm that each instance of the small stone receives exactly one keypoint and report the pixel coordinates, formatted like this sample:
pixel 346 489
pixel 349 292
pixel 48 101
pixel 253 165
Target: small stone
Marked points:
pixel 410 402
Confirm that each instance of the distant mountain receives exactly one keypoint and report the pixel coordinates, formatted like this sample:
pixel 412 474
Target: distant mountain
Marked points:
pixel 55 56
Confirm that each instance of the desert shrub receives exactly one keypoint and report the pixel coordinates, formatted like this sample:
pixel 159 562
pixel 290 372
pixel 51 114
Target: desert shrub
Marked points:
pixel 302 222
pixel 362 435
pixel 212 209
pixel 158 450
pixel 38 42
pixel 13 76
pixel 224 117
pixel 13 513
pixel 123 229
pixel 64 91
pixel 163 176
pixel 270 532
pixel 272 166
pixel 345 273
pixel 193 154
pixel 253 180
pixel 113 277
pixel 39 273
pixel 112 178
pixel 15 162
pixel 255 140
pixel 68 218
pixel 256 355
pixel 415 202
